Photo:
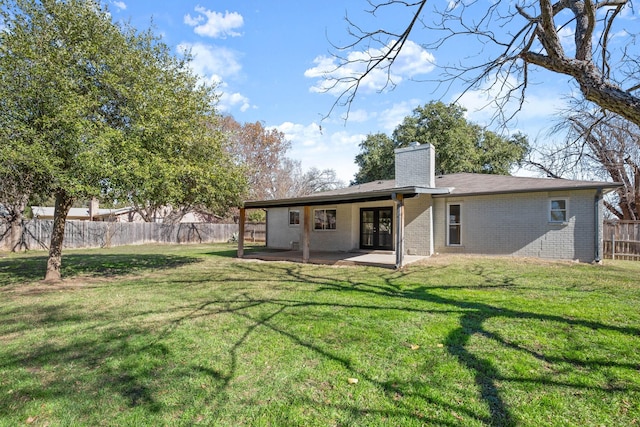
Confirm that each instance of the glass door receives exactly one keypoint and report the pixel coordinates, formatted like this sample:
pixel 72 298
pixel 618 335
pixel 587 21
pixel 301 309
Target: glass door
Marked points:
pixel 376 228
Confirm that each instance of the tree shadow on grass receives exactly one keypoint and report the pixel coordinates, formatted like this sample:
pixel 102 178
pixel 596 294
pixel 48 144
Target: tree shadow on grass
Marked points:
pixel 81 369
pixel 15 270
pixel 127 359
pixel 232 251
pixel 474 317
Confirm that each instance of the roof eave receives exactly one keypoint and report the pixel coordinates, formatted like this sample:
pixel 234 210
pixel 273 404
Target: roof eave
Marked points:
pixel 319 200
pixel 606 188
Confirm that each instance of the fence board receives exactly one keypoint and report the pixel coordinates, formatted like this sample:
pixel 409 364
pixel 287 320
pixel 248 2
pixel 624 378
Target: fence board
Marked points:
pixel 621 240
pixel 36 234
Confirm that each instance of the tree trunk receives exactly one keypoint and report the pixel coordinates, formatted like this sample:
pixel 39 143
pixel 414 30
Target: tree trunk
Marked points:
pixel 15 233
pixel 16 223
pixel 593 85
pixel 63 204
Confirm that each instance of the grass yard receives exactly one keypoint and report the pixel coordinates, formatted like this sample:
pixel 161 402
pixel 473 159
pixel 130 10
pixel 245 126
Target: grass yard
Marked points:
pixel 188 335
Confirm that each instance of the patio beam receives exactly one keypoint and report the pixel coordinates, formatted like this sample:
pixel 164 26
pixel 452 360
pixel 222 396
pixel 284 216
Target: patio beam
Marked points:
pixel 241 232
pixel 399 199
pixel 306 234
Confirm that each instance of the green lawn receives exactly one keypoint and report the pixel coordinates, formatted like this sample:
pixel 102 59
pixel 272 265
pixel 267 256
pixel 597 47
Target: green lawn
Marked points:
pixel 187 335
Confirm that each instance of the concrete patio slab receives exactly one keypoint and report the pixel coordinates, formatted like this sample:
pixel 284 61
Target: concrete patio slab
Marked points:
pixel 384 259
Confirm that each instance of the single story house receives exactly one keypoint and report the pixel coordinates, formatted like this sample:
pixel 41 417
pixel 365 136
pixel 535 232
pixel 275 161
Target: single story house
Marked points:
pixel 86 214
pixel 419 213
pixel 94 213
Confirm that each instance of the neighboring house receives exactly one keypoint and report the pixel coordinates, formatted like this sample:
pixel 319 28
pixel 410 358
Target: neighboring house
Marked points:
pixel 126 214
pixel 419 213
pixel 85 214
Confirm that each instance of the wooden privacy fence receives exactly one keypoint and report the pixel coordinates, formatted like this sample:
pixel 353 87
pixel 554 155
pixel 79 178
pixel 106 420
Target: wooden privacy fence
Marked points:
pixel 36 234
pixel 255 232
pixel 621 240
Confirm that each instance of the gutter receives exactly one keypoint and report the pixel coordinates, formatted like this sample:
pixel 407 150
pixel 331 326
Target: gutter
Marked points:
pixel 598 242
pixel 610 188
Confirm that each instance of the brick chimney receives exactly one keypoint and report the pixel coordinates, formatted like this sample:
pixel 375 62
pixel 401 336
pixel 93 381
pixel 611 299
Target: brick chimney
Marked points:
pixel 415 166
pixel 93 209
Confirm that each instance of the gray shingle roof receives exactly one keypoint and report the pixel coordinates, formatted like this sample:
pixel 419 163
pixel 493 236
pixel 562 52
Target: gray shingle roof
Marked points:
pixel 458 184
pixel 477 184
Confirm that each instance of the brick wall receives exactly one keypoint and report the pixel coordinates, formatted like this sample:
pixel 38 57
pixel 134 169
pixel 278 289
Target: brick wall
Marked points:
pixel 518 224
pixel 417 231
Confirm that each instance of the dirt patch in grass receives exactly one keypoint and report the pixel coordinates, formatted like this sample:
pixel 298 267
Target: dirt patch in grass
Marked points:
pixel 39 288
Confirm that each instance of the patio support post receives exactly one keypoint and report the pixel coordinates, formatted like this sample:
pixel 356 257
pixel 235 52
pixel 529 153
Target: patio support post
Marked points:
pixel 241 233
pixel 399 199
pixel 306 234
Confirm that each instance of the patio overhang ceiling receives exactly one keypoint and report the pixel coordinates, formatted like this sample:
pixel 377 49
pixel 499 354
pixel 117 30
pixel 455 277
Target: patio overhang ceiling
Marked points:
pixel 345 198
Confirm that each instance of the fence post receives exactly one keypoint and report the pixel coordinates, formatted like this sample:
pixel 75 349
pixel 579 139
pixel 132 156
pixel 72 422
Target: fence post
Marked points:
pixel 613 245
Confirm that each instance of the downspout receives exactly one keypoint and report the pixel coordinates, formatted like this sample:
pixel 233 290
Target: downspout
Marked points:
pixel 399 202
pixel 266 228
pixel 598 202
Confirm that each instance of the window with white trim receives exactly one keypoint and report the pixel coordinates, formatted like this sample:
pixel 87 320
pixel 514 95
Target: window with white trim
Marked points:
pixel 454 224
pixel 324 219
pixel 294 217
pixel 558 210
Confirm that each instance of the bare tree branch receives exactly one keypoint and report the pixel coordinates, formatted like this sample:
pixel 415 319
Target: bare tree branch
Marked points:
pixel 599 145
pixel 515 37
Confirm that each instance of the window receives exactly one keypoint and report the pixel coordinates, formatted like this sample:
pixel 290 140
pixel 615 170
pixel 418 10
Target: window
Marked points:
pixel 558 210
pixel 454 225
pixel 324 219
pixel 294 217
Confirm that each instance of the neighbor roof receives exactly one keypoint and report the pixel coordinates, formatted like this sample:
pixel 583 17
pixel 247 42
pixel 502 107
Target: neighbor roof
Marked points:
pixel 48 212
pixel 458 184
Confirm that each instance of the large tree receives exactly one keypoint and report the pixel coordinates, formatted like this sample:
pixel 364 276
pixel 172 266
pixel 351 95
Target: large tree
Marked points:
pixel 20 176
pixel 598 145
pixel 460 146
pixel 261 150
pixel 376 159
pixel 270 173
pixel 510 38
pixel 109 112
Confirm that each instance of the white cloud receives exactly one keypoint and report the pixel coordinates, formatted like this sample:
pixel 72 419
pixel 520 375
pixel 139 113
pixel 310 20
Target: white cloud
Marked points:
pixel 567 38
pixel 358 116
pixel 316 146
pixel 212 61
pixel 229 101
pixel 390 118
pixel 120 5
pixel 209 23
pixel 536 119
pixel 413 60
pixel 307 136
pixel 214 65
pixel 539 106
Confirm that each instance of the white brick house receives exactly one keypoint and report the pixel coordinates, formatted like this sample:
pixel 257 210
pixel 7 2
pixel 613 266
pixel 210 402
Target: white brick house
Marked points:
pixel 419 213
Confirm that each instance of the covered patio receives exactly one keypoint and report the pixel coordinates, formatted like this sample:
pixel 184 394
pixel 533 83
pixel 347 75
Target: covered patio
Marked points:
pixel 385 259
pixel 387 193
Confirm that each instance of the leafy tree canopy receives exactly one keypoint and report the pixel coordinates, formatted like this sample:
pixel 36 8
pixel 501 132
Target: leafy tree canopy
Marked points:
pixel 376 159
pixel 105 111
pixel 460 146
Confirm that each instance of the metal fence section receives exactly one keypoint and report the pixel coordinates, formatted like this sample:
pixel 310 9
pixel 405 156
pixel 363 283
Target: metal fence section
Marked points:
pixel 36 234
pixel 621 240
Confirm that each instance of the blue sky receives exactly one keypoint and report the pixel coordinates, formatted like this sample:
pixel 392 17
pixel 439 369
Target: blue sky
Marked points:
pixel 267 58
